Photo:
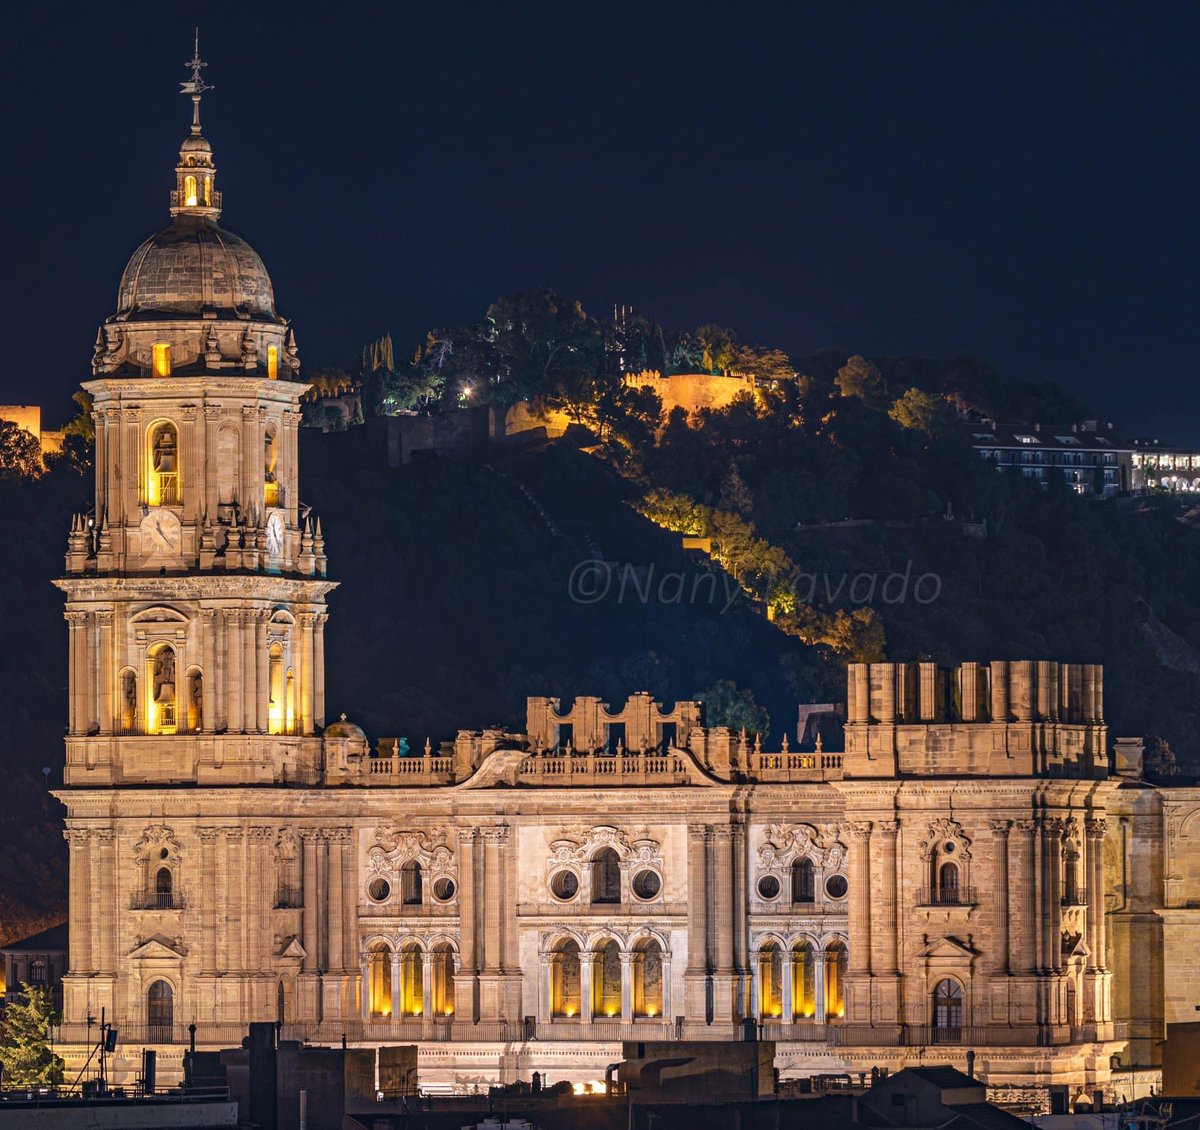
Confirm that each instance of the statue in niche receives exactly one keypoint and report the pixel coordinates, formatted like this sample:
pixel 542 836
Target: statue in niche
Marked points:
pixel 197 700
pixel 128 699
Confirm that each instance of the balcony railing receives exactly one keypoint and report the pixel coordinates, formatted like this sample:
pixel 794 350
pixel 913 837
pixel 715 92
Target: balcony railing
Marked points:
pixel 946 896
pixel 447 1029
pixel 796 766
pixel 156 900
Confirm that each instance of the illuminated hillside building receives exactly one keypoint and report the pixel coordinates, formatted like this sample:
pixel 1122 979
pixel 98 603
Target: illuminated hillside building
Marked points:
pixel 968 873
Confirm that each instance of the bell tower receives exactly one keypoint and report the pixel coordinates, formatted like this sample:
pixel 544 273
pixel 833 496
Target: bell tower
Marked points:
pixel 196 585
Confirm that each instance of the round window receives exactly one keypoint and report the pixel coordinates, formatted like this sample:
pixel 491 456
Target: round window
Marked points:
pixel 646 884
pixel 836 886
pixel 564 885
pixel 443 889
pixel 768 887
pixel 379 890
pixel 948 849
pixel 164 854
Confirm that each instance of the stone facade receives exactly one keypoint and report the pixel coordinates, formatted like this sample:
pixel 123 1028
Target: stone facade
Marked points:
pixel 968 873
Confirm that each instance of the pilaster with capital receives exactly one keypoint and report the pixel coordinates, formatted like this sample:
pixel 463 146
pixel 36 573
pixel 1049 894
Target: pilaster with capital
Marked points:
pixel 1000 849
pixel 860 897
pixel 1095 829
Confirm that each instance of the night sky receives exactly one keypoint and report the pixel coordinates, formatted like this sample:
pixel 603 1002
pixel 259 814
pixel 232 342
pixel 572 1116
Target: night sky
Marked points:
pixel 1015 180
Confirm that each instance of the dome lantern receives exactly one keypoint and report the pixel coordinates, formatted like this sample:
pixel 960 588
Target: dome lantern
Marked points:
pixel 195 176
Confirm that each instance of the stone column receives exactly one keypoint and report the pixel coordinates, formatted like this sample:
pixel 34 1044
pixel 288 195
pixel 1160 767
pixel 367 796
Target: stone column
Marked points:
pixel 1054 842
pixel 75 622
pixel 492 877
pixel 106 676
pixel 789 993
pixel 107 887
pixel 695 976
pixel 334 869
pixel 586 969
pixel 319 668
pixel 134 464
pixel 189 481
pixel 323 899
pixel 667 998
pixel 251 454
pixel 309 914
pixel 349 899
pixel 1095 828
pixel 999 830
pixel 545 987
pixel 235 702
pixel 251 692
pixel 819 986
pixel 626 987
pixel 397 1003
pixel 230 892
pixel 466 904
pixel 887 943
pixel 263 689
pixel 209 900
pixel 859 958
pixel 79 942
pixel 723 897
pixel 306 673
pixel 427 984
pixel 208 619
pixel 264 897
pixel 212 417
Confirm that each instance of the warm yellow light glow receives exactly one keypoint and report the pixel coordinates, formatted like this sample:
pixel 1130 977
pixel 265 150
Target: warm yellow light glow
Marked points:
pixel 189 191
pixel 416 1012
pixel 776 1013
pixel 273 362
pixel 595 1087
pixel 610 1013
pixel 651 1012
pixel 448 1012
pixel 570 1012
pixel 162 359
pixel 274 717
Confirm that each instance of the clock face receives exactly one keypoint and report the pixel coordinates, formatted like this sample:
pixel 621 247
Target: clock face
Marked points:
pixel 275 535
pixel 161 534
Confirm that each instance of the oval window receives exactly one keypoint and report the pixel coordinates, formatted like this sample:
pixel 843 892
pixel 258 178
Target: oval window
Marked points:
pixel 836 886
pixel 379 890
pixel 646 884
pixel 768 887
pixel 564 885
pixel 443 889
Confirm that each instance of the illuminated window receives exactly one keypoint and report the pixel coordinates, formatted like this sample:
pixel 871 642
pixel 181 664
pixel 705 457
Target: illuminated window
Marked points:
pixel 804 982
pixel 565 996
pixel 443 980
pixel 270 459
pixel 207 192
pixel 275 702
pixel 273 361
pixel 379 979
pixel 195 701
pixel 289 707
pixel 412 976
pixel 162 480
pixel 606 980
pixel 189 191
pixel 161 352
pixel 835 981
pixel 161 682
pixel 770 982
pixel 648 979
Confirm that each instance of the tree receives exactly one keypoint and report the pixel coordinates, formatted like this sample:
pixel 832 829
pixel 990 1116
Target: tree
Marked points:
pixel 862 378
pixel 767 365
pixel 26 1057
pixel 718 348
pixel 923 412
pixel 727 705
pixel 20 453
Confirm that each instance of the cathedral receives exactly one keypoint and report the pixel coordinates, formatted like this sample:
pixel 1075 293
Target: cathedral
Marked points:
pixel 978 869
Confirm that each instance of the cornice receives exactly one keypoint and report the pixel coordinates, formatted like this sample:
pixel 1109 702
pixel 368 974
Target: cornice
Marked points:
pixel 196 586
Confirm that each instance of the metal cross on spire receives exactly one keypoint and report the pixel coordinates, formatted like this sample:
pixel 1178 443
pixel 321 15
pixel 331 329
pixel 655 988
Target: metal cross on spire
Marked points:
pixel 197 86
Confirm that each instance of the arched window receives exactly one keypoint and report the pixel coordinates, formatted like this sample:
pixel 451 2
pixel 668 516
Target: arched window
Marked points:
pixel 1070 895
pixel 228 465
pixel 37 971
pixel 164 884
pixel 276 709
pixel 412 981
pixel 606 980
pixel 948 889
pixel 606 877
pixel 270 449
pixel 207 191
pixel 284 1009
pixel 161 712
pixel 162 462
pixel 565 981
pixel 443 980
pixel 947 1011
pixel 128 706
pixel 648 979
pixel 379 979
pixel 410 883
pixel 770 982
pixel 835 981
pixel 272 371
pixel 190 198
pixel 804 982
pixel 160 1013
pixel 803 881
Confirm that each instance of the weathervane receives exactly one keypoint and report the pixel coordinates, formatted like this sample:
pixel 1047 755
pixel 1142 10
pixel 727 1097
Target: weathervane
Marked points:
pixel 197 86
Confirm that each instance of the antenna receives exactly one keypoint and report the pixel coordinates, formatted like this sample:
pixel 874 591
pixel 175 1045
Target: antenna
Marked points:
pixel 197 85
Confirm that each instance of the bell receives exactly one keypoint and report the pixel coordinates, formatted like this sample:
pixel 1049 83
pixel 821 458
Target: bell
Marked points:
pixel 165 695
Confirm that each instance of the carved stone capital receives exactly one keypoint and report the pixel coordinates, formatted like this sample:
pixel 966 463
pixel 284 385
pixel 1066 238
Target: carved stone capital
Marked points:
pixel 496 834
pixel 77 837
pixel 859 829
pixel 188 412
pixel 1096 827
pixel 1029 827
pixel 888 828
pixel 1000 828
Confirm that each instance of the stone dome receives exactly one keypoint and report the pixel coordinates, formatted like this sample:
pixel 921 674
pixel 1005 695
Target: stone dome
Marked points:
pixel 195 267
pixel 343 729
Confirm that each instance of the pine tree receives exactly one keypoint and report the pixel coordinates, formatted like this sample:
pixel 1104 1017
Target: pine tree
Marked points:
pixel 26 1057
